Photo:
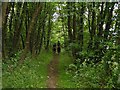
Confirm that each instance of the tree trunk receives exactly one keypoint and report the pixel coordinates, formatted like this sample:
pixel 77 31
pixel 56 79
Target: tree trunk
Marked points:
pixel 89 27
pixel 5 12
pixel 69 23
pixel 17 30
pixel 74 23
pixel 49 30
pixel 81 28
pixel 109 21
pixel 43 30
pixel 38 9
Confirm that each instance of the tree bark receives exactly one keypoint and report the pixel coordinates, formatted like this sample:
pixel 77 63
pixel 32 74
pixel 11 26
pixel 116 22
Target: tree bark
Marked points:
pixel 109 21
pixel 17 30
pixel 49 30
pixel 69 23
pixel 81 28
pixel 74 23
pixel 5 12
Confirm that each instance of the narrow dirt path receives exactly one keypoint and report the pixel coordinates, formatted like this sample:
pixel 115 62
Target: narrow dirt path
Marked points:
pixel 53 72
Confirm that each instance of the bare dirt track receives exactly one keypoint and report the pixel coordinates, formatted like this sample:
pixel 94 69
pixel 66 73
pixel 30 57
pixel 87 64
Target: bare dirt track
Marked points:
pixel 53 72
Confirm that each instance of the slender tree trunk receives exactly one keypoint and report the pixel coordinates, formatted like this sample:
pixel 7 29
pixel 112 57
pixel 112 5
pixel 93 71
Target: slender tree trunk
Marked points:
pixel 22 39
pixel 49 30
pixel 0 32
pixel 109 21
pixel 18 26
pixel 38 35
pixel 81 28
pixel 93 27
pixel 106 34
pixel 5 12
pixel 74 50
pixel 89 27
pixel 27 18
pixel 74 23
pixel 38 9
pixel 42 36
pixel 100 23
pixel 69 23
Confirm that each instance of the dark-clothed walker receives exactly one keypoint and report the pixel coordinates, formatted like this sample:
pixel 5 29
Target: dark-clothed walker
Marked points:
pixel 58 47
pixel 54 48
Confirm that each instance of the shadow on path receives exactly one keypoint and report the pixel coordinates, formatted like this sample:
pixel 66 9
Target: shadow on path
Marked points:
pixel 53 72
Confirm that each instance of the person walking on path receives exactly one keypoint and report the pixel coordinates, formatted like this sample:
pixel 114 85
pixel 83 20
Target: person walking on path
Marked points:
pixel 58 47
pixel 54 48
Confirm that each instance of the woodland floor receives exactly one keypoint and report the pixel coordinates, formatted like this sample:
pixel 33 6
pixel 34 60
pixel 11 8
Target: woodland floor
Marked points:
pixel 53 72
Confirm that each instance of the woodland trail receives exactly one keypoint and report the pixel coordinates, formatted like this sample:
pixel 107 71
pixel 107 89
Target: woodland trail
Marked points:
pixel 53 72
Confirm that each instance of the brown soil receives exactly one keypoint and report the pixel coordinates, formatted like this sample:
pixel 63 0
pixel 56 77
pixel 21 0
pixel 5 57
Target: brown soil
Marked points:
pixel 53 72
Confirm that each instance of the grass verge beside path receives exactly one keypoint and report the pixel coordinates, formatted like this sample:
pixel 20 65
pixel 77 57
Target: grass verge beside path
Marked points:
pixel 32 74
pixel 65 79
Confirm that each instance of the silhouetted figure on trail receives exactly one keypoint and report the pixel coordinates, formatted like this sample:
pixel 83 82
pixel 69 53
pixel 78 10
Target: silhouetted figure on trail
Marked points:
pixel 58 47
pixel 54 48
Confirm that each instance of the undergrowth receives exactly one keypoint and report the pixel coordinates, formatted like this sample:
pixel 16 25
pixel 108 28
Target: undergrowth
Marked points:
pixel 65 79
pixel 86 75
pixel 31 74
